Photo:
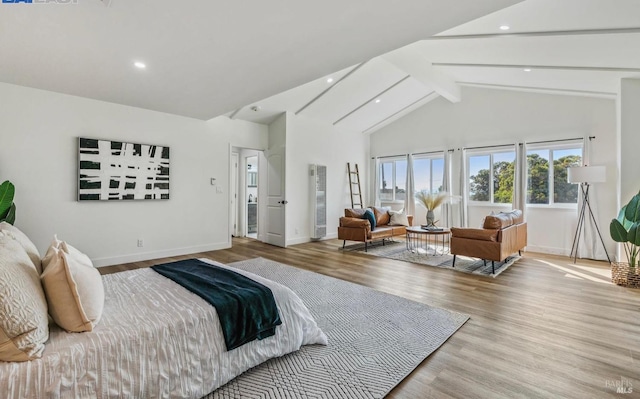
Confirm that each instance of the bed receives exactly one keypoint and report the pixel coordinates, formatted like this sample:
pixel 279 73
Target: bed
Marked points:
pixel 156 339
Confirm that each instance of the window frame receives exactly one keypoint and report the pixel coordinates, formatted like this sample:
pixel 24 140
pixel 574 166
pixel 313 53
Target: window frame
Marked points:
pixel 550 148
pixel 393 161
pixel 430 158
pixel 490 153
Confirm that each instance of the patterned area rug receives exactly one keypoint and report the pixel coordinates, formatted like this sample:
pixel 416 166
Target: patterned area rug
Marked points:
pixel 398 250
pixel 375 340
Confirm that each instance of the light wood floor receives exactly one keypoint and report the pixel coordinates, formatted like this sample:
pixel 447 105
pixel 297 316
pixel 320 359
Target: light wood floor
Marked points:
pixel 544 328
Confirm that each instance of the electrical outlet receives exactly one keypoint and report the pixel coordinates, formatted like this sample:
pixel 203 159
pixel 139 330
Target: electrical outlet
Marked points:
pixel 297 232
pixel 140 243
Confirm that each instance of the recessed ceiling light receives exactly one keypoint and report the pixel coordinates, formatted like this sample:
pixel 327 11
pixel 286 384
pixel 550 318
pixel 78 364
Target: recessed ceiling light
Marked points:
pixel 527 69
pixel 377 100
pixel 140 65
pixel 329 80
pixel 505 27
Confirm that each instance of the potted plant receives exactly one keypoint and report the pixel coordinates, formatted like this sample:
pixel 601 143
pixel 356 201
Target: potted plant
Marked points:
pixel 431 201
pixel 625 229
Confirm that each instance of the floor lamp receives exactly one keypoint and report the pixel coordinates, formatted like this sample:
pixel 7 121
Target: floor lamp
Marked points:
pixel 585 176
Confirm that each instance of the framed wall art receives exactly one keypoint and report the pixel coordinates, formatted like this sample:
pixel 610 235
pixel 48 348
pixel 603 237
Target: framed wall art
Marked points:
pixel 116 170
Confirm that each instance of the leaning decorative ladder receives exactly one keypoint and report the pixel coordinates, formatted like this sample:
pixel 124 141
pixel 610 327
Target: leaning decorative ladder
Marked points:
pixel 357 193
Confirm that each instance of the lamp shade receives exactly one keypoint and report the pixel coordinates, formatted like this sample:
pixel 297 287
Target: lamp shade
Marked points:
pixel 587 174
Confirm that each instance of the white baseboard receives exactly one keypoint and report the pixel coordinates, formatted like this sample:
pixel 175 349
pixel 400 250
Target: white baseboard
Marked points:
pixel 548 250
pixel 302 240
pixel 116 260
pixel 298 240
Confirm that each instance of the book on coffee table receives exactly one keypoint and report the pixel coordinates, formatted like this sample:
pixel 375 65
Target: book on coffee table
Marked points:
pixel 431 228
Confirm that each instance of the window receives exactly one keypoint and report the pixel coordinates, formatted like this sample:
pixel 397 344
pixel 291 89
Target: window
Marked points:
pixel 491 176
pixel 393 180
pixel 428 173
pixel 542 179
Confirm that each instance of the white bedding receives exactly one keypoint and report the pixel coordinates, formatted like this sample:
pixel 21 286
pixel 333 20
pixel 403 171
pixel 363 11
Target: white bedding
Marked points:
pixel 156 340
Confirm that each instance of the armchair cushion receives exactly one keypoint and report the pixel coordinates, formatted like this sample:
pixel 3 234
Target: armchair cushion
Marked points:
pixel 503 219
pixel 354 213
pixel 355 223
pixel 382 215
pixel 475 234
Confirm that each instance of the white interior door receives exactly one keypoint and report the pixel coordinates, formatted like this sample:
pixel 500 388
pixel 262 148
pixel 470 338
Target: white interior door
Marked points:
pixel 276 202
pixel 233 222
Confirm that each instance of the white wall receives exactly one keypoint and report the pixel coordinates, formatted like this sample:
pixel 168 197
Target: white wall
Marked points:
pixel 39 130
pixel 311 142
pixel 629 137
pixel 492 117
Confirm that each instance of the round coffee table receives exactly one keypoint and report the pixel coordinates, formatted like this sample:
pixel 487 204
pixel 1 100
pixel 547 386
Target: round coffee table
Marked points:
pixel 428 241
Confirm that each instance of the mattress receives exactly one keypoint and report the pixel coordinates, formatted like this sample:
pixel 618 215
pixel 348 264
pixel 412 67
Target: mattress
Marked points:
pixel 155 340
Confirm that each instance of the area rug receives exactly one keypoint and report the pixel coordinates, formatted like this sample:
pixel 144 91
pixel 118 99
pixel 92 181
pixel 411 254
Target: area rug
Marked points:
pixel 375 340
pixel 398 250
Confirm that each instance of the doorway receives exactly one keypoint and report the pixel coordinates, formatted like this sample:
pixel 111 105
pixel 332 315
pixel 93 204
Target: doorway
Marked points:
pixel 251 196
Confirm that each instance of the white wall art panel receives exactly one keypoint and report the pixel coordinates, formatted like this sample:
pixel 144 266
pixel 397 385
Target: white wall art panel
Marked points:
pixel 115 170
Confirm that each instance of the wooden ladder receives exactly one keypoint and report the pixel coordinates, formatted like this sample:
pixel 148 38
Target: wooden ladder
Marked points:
pixel 355 182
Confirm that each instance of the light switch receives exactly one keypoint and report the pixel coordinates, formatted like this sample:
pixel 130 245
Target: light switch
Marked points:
pixel 213 181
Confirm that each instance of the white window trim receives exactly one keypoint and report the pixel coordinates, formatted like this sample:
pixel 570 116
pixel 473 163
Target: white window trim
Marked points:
pixel 550 147
pixel 431 158
pixel 489 153
pixel 393 161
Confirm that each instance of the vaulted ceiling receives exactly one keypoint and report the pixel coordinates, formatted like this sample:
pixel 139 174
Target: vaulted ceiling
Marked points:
pixel 357 65
pixel 567 47
pixel 204 58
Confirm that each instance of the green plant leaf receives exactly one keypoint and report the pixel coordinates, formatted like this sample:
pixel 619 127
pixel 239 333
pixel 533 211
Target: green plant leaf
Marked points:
pixel 617 231
pixel 626 223
pixel 634 234
pixel 11 215
pixel 632 212
pixel 7 191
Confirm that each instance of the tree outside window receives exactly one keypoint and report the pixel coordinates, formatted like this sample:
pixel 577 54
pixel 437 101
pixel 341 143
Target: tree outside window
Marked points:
pixel 491 177
pixel 542 179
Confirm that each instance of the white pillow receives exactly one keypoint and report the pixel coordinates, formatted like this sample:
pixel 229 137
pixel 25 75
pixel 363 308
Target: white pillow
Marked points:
pixel 26 243
pixel 398 218
pixel 24 325
pixel 73 287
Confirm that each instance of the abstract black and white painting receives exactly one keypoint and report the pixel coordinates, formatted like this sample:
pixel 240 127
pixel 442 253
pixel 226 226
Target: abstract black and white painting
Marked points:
pixel 115 170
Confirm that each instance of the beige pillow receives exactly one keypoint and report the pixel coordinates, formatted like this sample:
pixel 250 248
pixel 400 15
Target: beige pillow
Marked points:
pixel 398 218
pixel 23 308
pixel 26 243
pixel 74 289
pixel 51 252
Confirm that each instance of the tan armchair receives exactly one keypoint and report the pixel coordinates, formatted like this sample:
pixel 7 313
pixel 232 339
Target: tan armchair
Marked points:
pixel 502 235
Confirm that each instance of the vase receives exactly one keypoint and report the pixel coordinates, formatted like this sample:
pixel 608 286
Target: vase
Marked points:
pixel 625 276
pixel 430 218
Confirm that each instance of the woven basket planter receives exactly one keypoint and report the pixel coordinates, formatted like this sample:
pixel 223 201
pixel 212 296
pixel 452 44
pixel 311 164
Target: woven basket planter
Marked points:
pixel 623 275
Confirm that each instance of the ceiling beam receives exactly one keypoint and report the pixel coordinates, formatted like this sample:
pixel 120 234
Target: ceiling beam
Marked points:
pixel 554 67
pixel 575 32
pixel 371 100
pixel 410 60
pixel 233 115
pixel 399 114
pixel 325 91
pixel 533 89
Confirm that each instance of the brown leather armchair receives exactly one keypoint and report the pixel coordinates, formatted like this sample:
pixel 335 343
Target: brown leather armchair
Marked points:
pixel 502 235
